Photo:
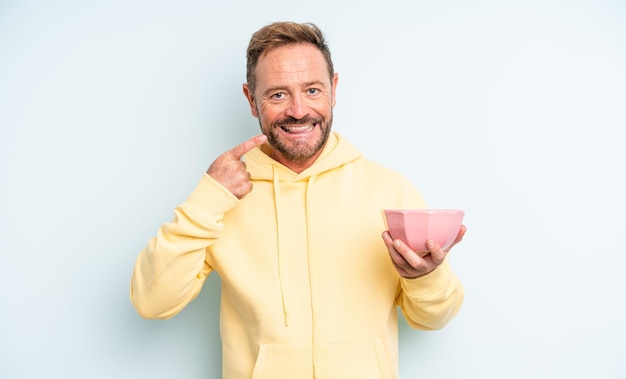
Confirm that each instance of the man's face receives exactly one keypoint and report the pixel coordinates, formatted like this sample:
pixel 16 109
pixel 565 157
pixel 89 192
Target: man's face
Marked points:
pixel 293 100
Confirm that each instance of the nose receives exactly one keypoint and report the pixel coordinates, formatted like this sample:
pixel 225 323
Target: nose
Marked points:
pixel 297 107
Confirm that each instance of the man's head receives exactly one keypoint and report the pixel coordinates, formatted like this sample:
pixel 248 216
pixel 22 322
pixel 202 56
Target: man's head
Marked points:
pixel 291 90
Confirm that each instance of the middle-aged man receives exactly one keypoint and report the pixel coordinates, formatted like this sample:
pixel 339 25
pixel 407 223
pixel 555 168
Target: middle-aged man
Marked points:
pixel 310 278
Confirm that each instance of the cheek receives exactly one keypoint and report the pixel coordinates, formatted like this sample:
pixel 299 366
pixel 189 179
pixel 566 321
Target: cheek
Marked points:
pixel 262 109
pixel 324 110
pixel 325 105
pixel 267 113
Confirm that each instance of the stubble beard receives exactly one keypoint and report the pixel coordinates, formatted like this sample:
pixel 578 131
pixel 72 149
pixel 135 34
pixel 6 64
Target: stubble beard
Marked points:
pixel 301 151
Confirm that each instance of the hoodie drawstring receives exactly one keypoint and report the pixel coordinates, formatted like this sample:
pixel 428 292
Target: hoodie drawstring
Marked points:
pixel 309 241
pixel 281 269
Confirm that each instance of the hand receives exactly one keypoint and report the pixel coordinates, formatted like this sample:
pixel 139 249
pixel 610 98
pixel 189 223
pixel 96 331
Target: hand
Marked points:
pixel 411 264
pixel 230 171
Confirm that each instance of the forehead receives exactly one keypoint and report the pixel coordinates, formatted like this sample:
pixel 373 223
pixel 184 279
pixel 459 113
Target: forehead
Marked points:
pixel 291 64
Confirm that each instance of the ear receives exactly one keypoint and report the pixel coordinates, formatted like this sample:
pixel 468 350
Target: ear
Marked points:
pixel 334 92
pixel 250 97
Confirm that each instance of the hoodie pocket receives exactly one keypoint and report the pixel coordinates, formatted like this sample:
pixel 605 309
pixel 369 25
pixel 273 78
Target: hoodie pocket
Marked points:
pixel 283 362
pixel 361 359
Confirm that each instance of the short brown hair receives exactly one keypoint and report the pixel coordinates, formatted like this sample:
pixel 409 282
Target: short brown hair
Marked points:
pixel 280 34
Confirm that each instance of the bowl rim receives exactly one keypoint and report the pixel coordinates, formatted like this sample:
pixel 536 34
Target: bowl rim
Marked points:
pixel 425 210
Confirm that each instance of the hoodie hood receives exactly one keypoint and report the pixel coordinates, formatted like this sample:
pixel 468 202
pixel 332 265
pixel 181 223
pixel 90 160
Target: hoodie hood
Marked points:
pixel 337 152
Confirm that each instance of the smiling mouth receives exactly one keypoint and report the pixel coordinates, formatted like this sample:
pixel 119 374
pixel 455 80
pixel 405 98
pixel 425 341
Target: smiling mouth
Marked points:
pixel 296 129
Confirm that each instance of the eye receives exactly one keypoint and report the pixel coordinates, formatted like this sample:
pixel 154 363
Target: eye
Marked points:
pixel 313 91
pixel 278 95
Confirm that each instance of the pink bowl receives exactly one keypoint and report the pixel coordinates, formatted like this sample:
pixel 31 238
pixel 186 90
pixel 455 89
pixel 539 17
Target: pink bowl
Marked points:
pixel 416 226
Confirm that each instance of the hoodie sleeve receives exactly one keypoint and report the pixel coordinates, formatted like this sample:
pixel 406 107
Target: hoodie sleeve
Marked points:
pixel 171 269
pixel 431 301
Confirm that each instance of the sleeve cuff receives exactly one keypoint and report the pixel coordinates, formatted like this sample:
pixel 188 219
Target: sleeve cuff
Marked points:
pixel 428 284
pixel 209 198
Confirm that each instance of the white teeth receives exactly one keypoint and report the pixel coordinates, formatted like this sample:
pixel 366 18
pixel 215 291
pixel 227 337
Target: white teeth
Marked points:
pixel 298 129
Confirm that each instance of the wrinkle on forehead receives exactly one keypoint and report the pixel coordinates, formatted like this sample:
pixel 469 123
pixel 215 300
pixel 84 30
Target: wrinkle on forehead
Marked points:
pixel 292 64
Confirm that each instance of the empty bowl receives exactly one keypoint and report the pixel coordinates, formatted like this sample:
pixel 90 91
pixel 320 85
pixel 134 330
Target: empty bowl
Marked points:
pixel 416 226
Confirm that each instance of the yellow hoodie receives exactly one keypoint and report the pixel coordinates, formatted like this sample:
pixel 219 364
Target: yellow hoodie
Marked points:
pixel 308 288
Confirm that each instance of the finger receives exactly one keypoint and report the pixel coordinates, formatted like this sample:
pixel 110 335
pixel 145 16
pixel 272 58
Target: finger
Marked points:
pixel 412 258
pixel 437 254
pixel 387 238
pixel 403 272
pixel 459 237
pixel 396 257
pixel 238 151
pixel 399 262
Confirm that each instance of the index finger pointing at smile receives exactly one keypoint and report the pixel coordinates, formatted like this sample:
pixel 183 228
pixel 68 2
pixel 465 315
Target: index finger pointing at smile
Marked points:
pixel 238 151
